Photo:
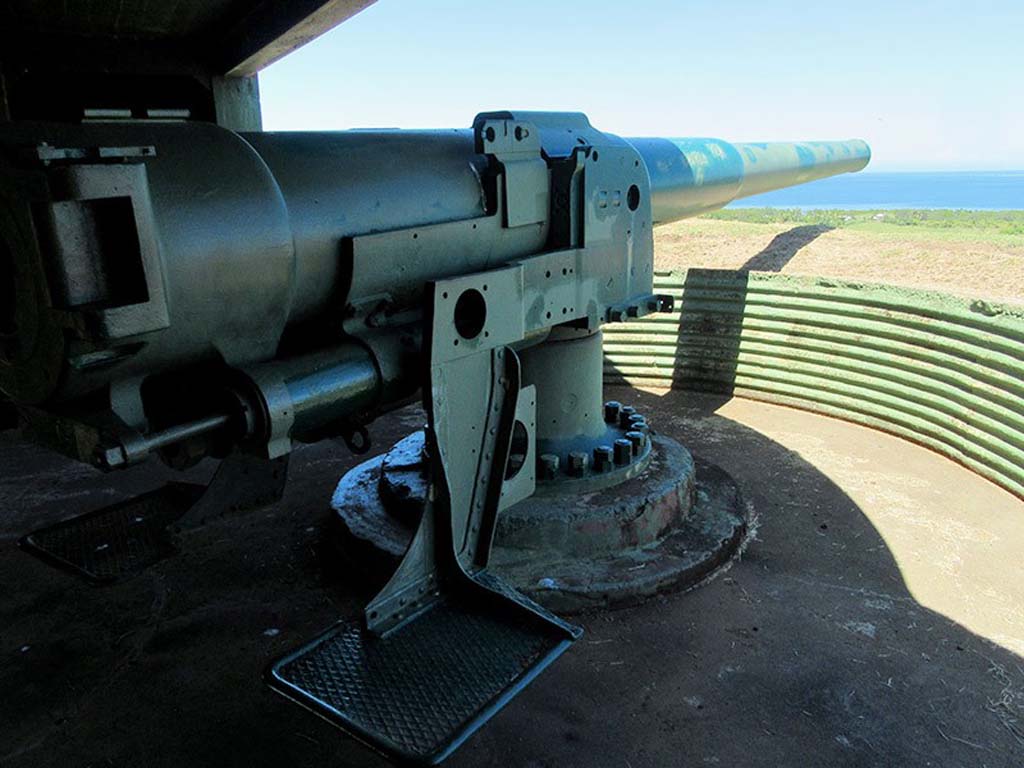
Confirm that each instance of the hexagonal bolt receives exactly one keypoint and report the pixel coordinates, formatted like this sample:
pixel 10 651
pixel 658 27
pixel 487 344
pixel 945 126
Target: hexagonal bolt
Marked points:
pixel 604 458
pixel 626 412
pixel 616 315
pixel 111 458
pixel 640 425
pixel 633 310
pixel 611 411
pixel 547 467
pixel 577 463
pixel 637 439
pixel 623 451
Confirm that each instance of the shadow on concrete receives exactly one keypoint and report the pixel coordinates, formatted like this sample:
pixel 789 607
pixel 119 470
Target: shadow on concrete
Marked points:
pixel 715 334
pixel 809 651
pixel 783 247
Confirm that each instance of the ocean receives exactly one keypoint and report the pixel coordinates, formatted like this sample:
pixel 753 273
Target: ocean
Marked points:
pixel 973 190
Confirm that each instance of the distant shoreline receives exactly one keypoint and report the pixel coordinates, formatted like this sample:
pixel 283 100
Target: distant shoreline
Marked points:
pixel 901 190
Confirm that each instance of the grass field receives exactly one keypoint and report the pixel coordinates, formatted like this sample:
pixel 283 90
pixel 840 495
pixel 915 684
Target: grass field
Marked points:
pixel 974 253
pixel 959 225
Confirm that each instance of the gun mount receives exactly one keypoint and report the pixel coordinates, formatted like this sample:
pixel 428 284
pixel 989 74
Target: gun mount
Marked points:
pixel 184 290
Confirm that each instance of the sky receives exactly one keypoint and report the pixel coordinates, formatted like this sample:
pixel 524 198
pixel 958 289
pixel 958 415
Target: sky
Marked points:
pixel 930 85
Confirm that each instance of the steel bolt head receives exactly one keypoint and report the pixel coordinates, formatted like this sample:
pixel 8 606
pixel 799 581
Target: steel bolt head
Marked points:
pixel 604 458
pixel 548 466
pixel 637 440
pixel 640 425
pixel 625 414
pixel 611 411
pixel 111 458
pixel 623 451
pixel 577 463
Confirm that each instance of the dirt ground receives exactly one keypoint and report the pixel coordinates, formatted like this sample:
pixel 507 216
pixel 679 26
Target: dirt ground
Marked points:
pixel 875 619
pixel 979 268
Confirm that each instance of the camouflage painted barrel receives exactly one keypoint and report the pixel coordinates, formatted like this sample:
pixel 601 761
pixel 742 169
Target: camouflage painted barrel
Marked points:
pixel 693 176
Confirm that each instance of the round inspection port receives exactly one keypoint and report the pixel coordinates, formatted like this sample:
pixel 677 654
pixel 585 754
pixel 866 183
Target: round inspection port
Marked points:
pixel 470 313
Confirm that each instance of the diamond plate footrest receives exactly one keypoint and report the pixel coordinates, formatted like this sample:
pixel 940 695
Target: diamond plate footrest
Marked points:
pixel 116 541
pixel 418 692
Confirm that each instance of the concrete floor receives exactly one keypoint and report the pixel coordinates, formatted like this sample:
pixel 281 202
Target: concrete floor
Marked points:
pixel 876 618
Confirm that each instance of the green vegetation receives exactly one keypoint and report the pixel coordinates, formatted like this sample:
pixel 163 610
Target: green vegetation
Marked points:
pixel 977 225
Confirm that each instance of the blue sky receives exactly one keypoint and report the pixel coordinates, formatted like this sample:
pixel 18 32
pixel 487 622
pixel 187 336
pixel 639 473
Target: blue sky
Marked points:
pixel 930 85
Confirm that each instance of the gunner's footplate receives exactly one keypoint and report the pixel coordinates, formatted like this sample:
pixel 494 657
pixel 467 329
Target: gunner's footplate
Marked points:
pixel 418 692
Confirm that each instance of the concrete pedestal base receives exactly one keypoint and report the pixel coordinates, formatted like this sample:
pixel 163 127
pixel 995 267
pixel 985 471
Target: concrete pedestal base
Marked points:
pixel 666 528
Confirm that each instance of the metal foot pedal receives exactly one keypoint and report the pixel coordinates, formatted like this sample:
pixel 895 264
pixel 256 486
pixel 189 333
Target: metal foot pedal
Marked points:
pixel 115 541
pixel 418 692
pixel 125 538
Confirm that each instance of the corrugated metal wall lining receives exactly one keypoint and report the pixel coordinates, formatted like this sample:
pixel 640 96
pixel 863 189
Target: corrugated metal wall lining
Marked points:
pixel 943 371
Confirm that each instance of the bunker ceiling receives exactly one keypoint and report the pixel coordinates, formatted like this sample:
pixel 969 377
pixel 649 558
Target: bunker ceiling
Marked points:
pixel 179 59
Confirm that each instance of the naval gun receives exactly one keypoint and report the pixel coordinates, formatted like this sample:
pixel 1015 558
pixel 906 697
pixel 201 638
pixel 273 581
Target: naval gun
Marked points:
pixel 181 290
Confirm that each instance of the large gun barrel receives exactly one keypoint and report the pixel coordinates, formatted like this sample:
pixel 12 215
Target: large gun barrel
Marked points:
pixel 288 271
pixel 694 176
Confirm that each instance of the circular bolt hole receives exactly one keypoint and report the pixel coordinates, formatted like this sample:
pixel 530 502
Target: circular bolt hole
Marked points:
pixel 470 314
pixel 595 155
pixel 518 451
pixel 489 134
pixel 633 197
